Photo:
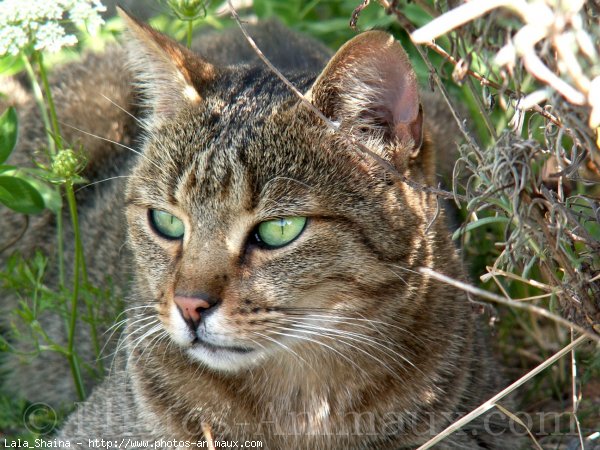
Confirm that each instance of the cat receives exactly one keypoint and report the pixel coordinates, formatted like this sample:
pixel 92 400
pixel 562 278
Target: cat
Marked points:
pixel 275 295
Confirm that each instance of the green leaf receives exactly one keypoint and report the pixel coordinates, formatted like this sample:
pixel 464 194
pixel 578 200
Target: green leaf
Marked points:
pixel 6 168
pixel 4 345
pixel 20 196
pixel 8 133
pixel 11 65
pixel 285 11
pixel 479 223
pixel 50 193
pixel 40 179
pixel 417 15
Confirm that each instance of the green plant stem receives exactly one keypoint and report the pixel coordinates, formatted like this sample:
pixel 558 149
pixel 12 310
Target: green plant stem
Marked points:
pixel 190 29
pixel 83 269
pixel 308 8
pixel 54 140
pixel 53 117
pixel 95 341
pixel 60 250
pixel 39 99
pixel 79 269
pixel 80 275
pixel 79 266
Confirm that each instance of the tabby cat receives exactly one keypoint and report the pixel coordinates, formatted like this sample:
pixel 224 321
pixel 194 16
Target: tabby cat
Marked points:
pixel 276 295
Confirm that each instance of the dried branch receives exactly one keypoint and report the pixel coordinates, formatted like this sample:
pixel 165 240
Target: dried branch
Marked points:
pixel 508 302
pixel 557 22
pixel 208 437
pixel 575 397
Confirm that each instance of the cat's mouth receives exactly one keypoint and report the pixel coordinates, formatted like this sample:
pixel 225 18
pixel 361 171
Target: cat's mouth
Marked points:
pixel 227 358
pixel 220 348
pixel 218 351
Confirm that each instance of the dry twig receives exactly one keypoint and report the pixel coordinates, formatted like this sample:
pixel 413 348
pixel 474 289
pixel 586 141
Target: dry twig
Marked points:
pixel 208 437
pixel 556 21
pixel 508 302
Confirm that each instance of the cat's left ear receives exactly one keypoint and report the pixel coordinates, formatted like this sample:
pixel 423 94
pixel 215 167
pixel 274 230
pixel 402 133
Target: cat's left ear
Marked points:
pixel 369 86
pixel 169 75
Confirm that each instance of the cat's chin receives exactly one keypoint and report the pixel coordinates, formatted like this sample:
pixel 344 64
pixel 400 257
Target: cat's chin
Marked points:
pixel 224 358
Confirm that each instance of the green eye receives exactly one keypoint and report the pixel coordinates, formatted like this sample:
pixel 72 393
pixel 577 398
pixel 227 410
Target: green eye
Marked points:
pixel 279 232
pixel 167 225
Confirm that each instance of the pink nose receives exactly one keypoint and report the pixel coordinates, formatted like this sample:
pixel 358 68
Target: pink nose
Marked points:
pixel 191 308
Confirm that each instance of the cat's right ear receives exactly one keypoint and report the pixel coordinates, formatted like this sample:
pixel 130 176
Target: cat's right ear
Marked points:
pixel 369 87
pixel 169 76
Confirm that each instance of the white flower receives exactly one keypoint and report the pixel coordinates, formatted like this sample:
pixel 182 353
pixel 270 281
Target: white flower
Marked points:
pixel 39 23
pixel 84 14
pixel 51 36
pixel 12 39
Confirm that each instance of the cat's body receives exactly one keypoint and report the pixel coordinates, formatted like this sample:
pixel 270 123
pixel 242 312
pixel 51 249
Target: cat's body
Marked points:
pixel 331 341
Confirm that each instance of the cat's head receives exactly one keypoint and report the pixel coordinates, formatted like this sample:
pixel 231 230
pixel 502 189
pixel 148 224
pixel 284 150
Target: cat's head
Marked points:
pixel 258 231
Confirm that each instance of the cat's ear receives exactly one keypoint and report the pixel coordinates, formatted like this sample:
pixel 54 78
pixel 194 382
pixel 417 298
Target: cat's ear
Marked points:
pixel 369 87
pixel 169 75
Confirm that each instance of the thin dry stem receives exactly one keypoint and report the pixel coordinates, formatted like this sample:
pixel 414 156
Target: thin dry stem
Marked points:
pixel 508 302
pixel 495 271
pixel 575 397
pixel 520 422
pixel 486 406
pixel 547 20
pixel 208 437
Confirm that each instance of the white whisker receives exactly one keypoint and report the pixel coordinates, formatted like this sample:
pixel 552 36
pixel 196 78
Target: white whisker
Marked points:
pixel 374 322
pixel 140 122
pixel 123 341
pixel 115 143
pixel 356 337
pixel 285 347
pixel 398 276
pixel 278 178
pixel 153 343
pixel 102 181
pixel 140 339
pixel 322 344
